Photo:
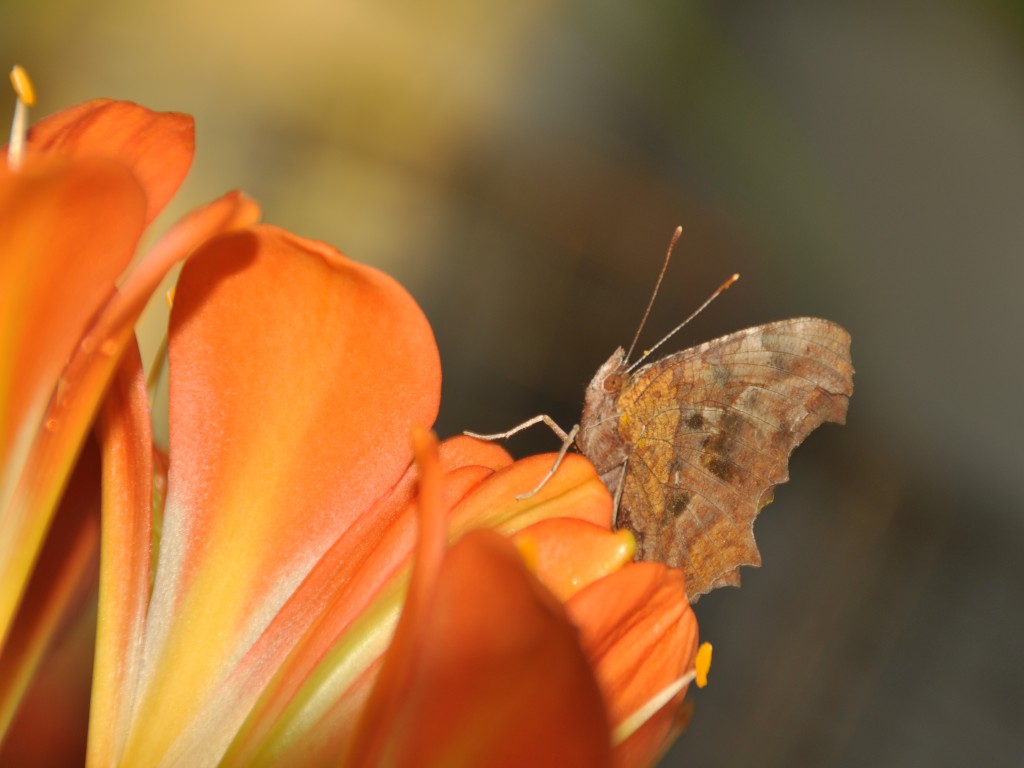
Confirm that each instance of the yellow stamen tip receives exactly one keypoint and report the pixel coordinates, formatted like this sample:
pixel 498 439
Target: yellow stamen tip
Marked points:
pixel 626 549
pixel 23 85
pixel 703 664
pixel 169 297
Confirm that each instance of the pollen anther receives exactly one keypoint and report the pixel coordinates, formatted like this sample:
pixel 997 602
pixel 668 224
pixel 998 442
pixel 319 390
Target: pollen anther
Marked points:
pixel 703 664
pixel 19 125
pixel 23 85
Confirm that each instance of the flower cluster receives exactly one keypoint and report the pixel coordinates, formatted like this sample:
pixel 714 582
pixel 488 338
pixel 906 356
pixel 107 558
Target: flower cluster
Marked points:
pixel 305 577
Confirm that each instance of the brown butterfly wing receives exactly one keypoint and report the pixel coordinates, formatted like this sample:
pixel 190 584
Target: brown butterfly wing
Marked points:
pixel 710 431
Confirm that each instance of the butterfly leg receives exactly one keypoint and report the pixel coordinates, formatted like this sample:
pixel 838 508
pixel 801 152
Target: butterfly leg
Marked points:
pixel 618 493
pixel 614 480
pixel 567 440
pixel 562 435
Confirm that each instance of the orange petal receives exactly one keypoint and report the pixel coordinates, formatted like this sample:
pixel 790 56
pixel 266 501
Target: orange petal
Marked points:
pixel 316 691
pixel 399 666
pixel 569 554
pixel 51 451
pixel 295 378
pixel 52 722
pixel 65 576
pixel 228 213
pixel 463 451
pixel 498 675
pixel 355 592
pixel 574 490
pixel 640 634
pixel 66 233
pixel 156 146
pixel 126 439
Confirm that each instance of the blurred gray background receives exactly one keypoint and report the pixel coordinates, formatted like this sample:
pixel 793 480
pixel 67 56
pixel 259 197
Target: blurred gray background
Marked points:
pixel 520 168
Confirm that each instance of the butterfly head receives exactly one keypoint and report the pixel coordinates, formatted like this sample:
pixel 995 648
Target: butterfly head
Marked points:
pixel 604 389
pixel 610 378
pixel 598 438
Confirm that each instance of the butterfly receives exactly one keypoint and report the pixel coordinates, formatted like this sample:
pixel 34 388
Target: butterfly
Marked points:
pixel 692 445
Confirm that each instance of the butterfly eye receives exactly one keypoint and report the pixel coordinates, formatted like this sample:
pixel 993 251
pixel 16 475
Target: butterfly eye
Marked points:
pixel 614 382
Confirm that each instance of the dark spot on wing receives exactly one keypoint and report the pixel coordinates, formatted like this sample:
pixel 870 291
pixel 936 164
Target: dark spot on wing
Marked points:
pixel 676 502
pixel 716 452
pixel 720 467
pixel 695 421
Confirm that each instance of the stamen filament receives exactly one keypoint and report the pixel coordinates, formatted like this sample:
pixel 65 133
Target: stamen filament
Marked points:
pixel 699 674
pixel 631 724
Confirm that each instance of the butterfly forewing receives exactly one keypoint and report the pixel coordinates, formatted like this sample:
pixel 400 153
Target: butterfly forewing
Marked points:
pixel 708 432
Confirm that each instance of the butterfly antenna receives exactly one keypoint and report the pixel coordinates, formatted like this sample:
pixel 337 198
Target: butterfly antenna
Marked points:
pixel 721 289
pixel 654 294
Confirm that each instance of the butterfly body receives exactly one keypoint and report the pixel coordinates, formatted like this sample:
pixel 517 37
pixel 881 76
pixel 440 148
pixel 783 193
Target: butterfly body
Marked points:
pixel 693 444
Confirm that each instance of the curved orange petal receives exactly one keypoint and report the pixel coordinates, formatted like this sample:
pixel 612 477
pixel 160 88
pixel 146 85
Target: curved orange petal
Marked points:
pixel 64 577
pixel 357 590
pixel 480 499
pixel 498 677
pixel 568 554
pixel 640 634
pixel 318 693
pixel 157 146
pixel 363 574
pixel 315 692
pixel 575 490
pixel 52 721
pixel 296 375
pixel 368 564
pixel 399 666
pixel 228 213
pixel 126 441
pixel 464 451
pixel 49 453
pixel 66 233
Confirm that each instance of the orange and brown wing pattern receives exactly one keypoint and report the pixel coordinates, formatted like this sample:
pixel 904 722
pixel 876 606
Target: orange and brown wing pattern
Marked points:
pixel 710 431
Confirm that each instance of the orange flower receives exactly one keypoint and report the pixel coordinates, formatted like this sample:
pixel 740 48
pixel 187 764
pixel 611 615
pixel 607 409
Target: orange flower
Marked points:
pixel 288 620
pixel 74 203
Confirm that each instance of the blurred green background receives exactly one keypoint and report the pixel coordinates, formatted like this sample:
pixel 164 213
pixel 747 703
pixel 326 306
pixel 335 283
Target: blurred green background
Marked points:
pixel 520 168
